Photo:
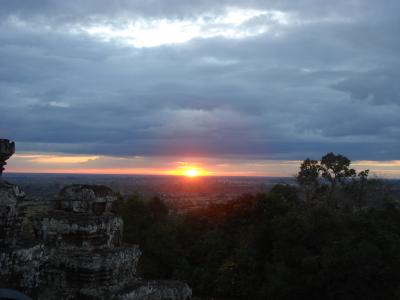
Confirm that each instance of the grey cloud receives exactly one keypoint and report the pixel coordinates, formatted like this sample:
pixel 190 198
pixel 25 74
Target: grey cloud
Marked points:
pixel 74 9
pixel 311 89
pixel 377 86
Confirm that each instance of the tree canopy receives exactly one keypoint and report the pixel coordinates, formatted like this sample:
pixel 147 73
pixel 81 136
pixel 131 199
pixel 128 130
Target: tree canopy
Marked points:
pixel 289 243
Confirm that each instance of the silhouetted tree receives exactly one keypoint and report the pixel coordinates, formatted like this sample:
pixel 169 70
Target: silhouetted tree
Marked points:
pixel 158 209
pixel 335 168
pixel 289 192
pixel 308 178
pixel 360 187
pixel 271 246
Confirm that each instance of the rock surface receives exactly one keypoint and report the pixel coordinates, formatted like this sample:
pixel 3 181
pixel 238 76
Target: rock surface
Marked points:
pixel 156 290
pixel 78 251
pixel 21 263
pixel 7 149
pixel 21 266
pixel 11 215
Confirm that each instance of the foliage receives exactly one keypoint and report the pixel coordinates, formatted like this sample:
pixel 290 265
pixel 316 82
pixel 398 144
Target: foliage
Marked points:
pixel 308 178
pixel 274 245
pixel 320 180
pixel 335 169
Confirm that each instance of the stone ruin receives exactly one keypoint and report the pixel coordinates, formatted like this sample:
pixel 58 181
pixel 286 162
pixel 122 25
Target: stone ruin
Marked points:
pixel 20 261
pixel 77 252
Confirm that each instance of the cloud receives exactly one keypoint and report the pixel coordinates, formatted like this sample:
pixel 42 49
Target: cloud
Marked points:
pixel 55 159
pixel 378 86
pixel 266 79
pixel 143 32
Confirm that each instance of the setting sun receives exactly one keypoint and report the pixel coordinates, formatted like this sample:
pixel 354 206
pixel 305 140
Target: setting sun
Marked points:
pixel 191 172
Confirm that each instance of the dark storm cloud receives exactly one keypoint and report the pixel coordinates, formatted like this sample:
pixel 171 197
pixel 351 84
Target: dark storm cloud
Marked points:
pixel 326 81
pixel 66 11
pixel 77 9
pixel 379 86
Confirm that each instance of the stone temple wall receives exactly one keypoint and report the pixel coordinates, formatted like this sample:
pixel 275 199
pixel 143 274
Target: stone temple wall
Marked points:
pixel 77 250
pixel 21 262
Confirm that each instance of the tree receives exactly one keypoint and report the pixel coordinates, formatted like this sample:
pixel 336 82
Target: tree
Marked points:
pixel 336 170
pixel 308 178
pixel 158 209
pixel 361 186
pixel 289 192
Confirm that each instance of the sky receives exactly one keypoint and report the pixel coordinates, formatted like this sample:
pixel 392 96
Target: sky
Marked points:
pixel 228 87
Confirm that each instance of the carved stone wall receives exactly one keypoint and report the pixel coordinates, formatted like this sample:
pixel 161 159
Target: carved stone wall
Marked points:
pixel 21 262
pixel 10 214
pixel 78 251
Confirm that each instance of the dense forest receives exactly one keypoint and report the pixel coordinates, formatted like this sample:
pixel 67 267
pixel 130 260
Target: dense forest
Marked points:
pixel 334 235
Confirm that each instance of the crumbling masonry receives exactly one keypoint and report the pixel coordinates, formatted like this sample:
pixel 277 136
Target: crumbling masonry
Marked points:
pixel 78 251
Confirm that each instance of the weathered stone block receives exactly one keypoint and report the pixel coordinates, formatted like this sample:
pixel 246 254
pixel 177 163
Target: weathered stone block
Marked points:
pixel 67 230
pixel 83 198
pixel 7 149
pixel 156 290
pixel 99 268
pixel 21 266
pixel 81 255
pixel 10 216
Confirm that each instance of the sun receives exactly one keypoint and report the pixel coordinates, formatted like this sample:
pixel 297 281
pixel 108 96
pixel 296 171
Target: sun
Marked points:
pixel 191 172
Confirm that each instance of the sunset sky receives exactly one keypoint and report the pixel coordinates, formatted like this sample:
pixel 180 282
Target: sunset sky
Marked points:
pixel 227 87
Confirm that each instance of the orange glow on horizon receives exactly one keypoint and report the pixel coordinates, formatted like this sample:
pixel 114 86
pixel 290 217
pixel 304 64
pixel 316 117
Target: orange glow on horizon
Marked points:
pixel 57 159
pixel 191 173
pixel 187 167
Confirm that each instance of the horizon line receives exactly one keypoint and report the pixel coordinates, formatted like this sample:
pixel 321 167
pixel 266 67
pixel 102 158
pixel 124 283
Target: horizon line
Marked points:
pixel 138 174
